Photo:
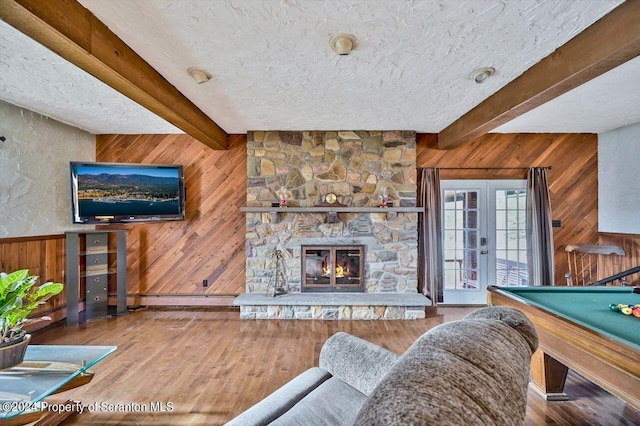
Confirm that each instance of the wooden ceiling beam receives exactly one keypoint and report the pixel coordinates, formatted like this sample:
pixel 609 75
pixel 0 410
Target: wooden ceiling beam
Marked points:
pixel 73 32
pixel 608 43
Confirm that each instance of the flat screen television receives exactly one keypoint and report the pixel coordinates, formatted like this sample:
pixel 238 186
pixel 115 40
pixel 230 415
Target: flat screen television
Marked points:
pixel 103 193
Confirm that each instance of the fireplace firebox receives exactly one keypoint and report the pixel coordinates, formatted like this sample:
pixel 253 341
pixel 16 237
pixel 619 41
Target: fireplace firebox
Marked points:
pixel 333 268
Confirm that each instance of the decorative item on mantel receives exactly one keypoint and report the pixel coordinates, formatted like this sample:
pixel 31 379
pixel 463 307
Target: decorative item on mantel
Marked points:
pixel 283 196
pixel 19 296
pixel 383 196
pixel 279 276
pixel 330 199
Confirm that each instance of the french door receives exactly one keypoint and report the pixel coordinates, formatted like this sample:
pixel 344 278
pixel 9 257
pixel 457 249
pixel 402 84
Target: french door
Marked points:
pixel 484 237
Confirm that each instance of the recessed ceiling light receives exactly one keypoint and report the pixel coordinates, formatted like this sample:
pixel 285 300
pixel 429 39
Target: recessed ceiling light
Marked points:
pixel 481 74
pixel 343 44
pixel 199 75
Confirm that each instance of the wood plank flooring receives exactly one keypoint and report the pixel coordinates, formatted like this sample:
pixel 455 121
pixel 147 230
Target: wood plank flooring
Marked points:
pixel 212 366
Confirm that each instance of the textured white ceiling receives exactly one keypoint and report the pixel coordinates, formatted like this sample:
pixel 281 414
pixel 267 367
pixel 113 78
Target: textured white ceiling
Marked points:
pixel 273 68
pixel 609 101
pixel 35 78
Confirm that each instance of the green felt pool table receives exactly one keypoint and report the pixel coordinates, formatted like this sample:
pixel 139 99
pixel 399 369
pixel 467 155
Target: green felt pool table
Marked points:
pixel 577 330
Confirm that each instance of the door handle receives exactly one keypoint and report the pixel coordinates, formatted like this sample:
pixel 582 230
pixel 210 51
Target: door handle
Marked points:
pixel 484 251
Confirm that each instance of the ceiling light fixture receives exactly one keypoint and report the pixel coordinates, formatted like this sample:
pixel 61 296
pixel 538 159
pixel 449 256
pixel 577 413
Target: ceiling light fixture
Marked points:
pixel 481 74
pixel 343 44
pixel 199 75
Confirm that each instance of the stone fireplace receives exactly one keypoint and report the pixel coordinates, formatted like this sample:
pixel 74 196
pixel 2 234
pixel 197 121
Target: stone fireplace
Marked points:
pixel 358 167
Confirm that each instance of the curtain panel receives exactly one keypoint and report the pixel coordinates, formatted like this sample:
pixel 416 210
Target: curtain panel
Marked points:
pixel 540 254
pixel 430 281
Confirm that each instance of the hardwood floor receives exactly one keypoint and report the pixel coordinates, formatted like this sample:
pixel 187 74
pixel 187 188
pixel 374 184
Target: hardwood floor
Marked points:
pixel 212 366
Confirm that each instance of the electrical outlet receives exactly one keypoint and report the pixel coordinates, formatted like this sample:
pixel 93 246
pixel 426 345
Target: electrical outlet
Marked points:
pixel 205 283
pixel 556 223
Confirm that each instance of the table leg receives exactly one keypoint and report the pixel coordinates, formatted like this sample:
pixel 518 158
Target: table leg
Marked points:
pixel 548 376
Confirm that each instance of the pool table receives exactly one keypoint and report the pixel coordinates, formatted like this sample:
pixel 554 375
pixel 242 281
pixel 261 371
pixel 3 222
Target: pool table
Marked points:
pixel 577 330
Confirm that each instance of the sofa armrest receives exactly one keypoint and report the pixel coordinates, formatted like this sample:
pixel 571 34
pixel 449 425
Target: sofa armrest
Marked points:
pixel 359 363
pixel 280 401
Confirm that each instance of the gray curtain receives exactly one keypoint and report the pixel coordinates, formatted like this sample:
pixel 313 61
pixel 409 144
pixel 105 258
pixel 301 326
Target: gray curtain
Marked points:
pixel 539 233
pixel 430 236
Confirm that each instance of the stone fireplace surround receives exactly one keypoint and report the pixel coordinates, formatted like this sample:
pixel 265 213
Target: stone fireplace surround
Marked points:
pixel 356 166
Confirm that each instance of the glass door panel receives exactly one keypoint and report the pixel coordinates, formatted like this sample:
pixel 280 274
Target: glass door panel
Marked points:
pixel 463 282
pixel 509 259
pixel 484 231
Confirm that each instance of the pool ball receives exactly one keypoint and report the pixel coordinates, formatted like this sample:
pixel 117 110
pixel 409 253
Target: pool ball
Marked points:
pixel 614 307
pixel 626 310
pixel 636 312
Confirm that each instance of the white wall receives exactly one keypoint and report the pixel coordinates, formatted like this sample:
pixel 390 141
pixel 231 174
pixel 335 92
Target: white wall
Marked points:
pixel 35 194
pixel 619 180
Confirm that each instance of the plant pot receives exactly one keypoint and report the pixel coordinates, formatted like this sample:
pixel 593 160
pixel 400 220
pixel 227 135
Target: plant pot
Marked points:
pixel 14 354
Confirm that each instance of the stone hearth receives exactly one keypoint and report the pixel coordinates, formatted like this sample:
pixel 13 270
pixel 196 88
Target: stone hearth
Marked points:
pixel 340 306
pixel 357 167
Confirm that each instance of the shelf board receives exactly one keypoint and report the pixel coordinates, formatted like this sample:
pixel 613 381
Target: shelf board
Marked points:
pixel 106 271
pixel 87 253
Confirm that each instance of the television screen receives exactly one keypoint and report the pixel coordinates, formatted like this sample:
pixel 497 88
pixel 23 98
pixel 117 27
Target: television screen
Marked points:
pixel 126 192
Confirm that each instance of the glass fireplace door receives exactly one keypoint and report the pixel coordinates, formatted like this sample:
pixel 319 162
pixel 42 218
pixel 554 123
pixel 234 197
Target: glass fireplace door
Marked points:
pixel 332 268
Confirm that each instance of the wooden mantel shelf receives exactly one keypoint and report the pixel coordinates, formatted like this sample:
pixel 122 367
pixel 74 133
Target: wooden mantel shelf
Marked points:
pixel 332 212
pixel 331 209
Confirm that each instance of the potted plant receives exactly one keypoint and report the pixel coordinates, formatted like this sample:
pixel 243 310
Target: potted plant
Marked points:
pixel 19 296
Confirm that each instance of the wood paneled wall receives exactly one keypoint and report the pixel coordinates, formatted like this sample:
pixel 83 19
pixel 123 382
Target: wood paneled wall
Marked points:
pixel 615 264
pixel 167 262
pixel 43 256
pixel 573 178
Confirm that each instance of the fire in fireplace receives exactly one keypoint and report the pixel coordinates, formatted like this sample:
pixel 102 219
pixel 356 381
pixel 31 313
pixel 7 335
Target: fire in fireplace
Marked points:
pixel 333 268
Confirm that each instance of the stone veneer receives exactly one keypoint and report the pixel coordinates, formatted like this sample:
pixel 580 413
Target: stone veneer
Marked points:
pixel 355 165
pixel 325 312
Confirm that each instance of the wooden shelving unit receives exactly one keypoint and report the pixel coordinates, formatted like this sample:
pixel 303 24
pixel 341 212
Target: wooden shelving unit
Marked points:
pixel 88 271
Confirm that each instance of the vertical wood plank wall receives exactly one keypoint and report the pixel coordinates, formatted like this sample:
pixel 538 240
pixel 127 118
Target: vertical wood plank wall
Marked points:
pixel 573 179
pixel 44 256
pixel 169 261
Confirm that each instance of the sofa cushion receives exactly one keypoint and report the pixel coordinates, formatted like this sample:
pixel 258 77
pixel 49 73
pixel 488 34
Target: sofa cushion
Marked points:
pixel 333 403
pixel 474 371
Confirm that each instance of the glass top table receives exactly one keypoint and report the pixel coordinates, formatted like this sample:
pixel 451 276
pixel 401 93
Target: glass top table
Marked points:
pixel 46 369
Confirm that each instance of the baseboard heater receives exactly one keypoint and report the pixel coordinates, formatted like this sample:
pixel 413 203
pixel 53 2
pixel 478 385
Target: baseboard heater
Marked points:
pixel 146 299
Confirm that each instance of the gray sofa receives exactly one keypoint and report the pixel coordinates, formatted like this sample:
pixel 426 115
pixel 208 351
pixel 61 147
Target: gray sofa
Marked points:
pixel 473 371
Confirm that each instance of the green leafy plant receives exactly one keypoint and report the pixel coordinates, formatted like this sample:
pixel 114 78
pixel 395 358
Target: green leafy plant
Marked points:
pixel 19 296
